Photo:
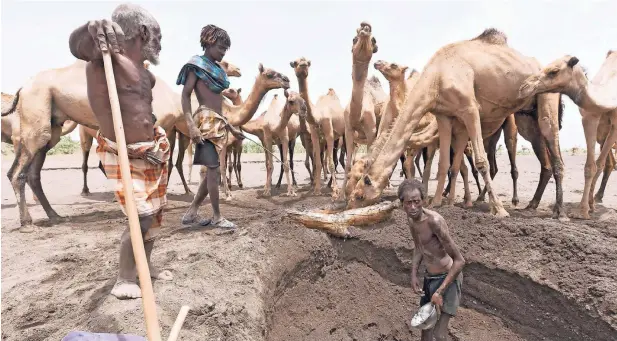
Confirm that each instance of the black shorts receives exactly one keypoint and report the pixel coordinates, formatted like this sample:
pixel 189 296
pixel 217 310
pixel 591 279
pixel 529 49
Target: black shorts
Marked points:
pixel 451 296
pixel 206 155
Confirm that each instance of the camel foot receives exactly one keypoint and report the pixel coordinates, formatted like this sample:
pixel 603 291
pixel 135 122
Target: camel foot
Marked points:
pixel 277 186
pixel 434 203
pixel 533 205
pixel 336 194
pixel 499 212
pixel 85 192
pixel 560 213
pixel 240 185
pixel 290 193
pixel 56 219
pixel 468 203
pixel 266 193
pixel 29 228
pixel 515 202
pixel 315 192
pixel 597 198
pixel 228 197
pixel 581 213
pixel 126 290
pixel 481 198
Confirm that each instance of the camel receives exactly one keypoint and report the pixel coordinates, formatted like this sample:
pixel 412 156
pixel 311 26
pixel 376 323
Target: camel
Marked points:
pixel 236 148
pixel 53 97
pixel 326 121
pixel 460 79
pixel 293 131
pixel 597 102
pixel 367 96
pixel 271 127
pixel 238 115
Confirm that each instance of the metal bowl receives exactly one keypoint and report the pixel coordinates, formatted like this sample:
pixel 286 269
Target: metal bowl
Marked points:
pixel 425 317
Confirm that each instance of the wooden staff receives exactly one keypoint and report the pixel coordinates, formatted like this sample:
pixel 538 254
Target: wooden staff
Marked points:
pixel 147 294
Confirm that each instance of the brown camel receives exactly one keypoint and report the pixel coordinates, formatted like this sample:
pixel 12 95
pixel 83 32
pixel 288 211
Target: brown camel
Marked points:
pixel 53 97
pixel 459 80
pixel 597 102
pixel 293 131
pixel 234 149
pixel 367 97
pixel 271 127
pixel 327 124
pixel 239 115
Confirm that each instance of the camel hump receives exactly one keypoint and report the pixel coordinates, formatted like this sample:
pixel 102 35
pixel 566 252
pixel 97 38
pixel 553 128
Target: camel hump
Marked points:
pixel 492 36
pixel 374 81
pixel 610 52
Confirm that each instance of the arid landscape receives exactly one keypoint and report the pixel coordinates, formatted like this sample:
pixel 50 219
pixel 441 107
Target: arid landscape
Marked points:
pixel 527 277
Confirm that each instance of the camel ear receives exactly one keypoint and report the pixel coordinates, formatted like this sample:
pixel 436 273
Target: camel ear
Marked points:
pixel 404 68
pixel 610 52
pixel 261 68
pixel 286 93
pixel 293 64
pixel 573 61
pixel 308 62
pixel 238 91
pixel 223 63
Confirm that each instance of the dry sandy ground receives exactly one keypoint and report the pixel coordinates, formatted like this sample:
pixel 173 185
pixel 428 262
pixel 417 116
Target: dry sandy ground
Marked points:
pixel 528 277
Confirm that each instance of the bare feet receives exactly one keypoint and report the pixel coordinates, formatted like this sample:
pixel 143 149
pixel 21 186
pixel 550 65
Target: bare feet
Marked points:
pixel 126 290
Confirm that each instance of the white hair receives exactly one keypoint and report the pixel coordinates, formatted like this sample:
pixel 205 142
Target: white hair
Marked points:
pixel 131 17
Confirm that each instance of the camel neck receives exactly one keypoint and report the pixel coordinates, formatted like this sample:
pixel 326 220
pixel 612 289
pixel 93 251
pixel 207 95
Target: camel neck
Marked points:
pixel 240 114
pixel 359 74
pixel 303 88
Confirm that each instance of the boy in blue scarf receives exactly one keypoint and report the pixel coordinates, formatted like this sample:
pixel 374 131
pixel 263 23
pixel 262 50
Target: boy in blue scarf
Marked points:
pixel 203 75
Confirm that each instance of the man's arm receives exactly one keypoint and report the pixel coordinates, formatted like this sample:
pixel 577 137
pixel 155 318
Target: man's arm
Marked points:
pixel 189 86
pixel 440 229
pixel 87 41
pixel 416 259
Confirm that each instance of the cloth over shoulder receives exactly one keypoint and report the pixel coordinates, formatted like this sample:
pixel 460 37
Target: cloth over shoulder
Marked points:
pixel 208 71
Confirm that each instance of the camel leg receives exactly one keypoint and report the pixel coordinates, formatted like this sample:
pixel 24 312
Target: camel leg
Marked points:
pixel 230 164
pixel 445 139
pixel 608 169
pixel 474 129
pixel 292 146
pixel 267 143
pixel 460 142
pixel 601 162
pixel 428 164
pixel 417 161
pixel 308 154
pixel 190 152
pixel 316 162
pixel 290 186
pixel 446 191
pixel 403 172
pixel 590 126
pixel 86 144
pixel 408 164
pixel 343 151
pixel 34 180
pixel 335 154
pixel 510 135
pixel 467 202
pixel 491 149
pixel 349 150
pixel 541 151
pixel 329 134
pixel 238 165
pixel 222 168
pixel 171 136
pixel 278 183
pixel 182 145
pixel 474 170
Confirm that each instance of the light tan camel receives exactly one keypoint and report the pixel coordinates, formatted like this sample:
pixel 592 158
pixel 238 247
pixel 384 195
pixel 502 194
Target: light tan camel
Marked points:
pixel 597 102
pixel 238 115
pixel 367 97
pixel 234 149
pixel 327 123
pixel 49 99
pixel 459 80
pixel 271 127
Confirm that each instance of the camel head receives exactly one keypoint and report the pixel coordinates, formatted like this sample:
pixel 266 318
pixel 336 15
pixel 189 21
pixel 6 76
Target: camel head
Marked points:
pixel 295 103
pixel 230 69
pixel 562 75
pixel 301 67
pixel 364 193
pixel 391 71
pixel 364 44
pixel 270 79
pixel 232 93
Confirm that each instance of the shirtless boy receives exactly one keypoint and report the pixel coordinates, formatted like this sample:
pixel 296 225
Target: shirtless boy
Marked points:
pixel 208 128
pixel 442 258
pixel 131 36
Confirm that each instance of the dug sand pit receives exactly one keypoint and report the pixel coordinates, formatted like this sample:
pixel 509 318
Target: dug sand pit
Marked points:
pixel 527 277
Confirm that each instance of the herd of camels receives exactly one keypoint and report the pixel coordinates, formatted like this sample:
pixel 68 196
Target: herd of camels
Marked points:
pixel 468 93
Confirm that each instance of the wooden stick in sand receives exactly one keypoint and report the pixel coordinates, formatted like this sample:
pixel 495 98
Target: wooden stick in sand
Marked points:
pixel 147 294
pixel 175 329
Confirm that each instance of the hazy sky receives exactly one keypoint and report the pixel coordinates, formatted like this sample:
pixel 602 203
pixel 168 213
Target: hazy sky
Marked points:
pixel 35 37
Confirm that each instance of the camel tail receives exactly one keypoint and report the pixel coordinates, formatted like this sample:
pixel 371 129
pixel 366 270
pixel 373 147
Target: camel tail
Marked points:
pixel 13 106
